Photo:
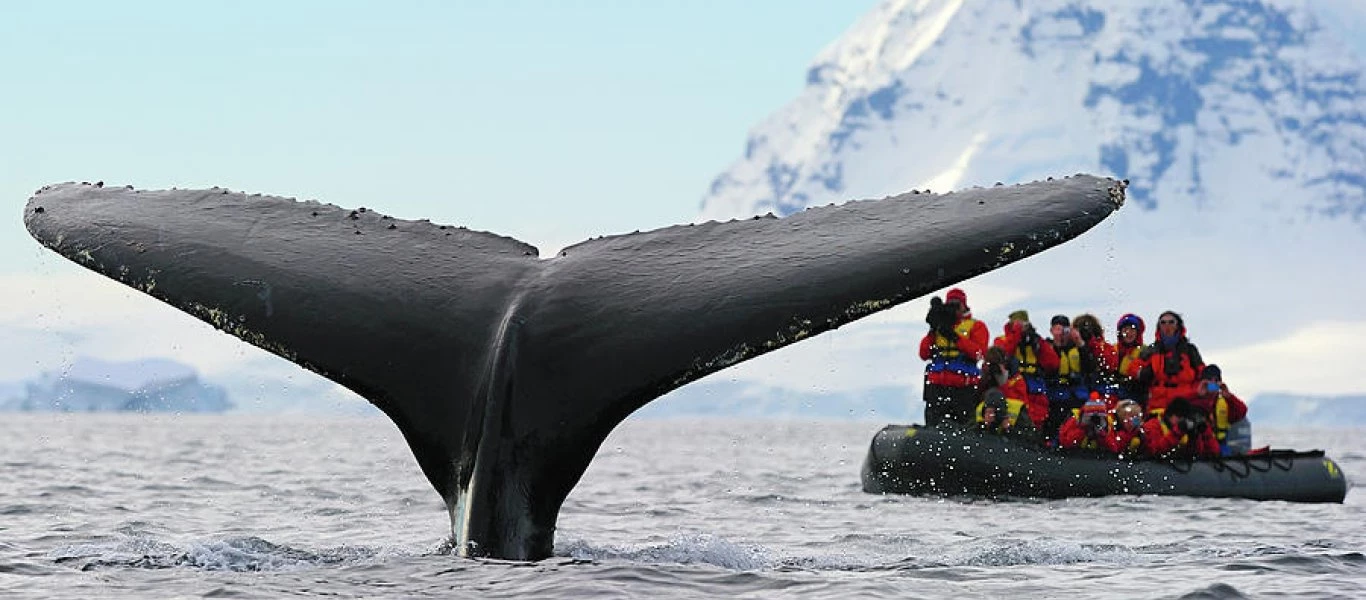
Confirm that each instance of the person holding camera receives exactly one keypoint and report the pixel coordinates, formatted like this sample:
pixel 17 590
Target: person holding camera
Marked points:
pixel 954 345
pixel 1067 389
pixel 1224 410
pixel 1033 360
pixel 999 415
pixel 1181 431
pixel 1128 346
pixel 1088 426
pixel 1170 365
pixel 1100 376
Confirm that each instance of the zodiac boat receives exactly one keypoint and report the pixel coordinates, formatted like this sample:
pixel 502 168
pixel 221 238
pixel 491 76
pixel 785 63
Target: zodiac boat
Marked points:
pixel 921 460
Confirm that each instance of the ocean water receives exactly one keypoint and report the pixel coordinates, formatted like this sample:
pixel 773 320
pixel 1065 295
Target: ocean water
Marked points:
pixel 165 506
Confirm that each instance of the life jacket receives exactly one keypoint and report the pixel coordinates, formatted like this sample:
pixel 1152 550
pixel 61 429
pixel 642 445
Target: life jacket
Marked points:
pixel 1013 409
pixel 1134 442
pixel 1221 418
pixel 947 356
pixel 1069 367
pixel 1028 361
pixel 1109 425
pixel 1129 363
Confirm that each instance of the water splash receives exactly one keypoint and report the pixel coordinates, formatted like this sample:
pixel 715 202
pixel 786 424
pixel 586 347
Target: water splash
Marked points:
pixel 689 549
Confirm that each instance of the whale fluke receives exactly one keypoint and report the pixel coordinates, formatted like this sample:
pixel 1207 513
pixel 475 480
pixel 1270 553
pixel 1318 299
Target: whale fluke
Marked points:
pixel 505 372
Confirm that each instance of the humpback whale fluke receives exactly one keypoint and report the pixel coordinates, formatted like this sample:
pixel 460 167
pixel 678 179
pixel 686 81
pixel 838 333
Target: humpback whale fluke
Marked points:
pixel 505 372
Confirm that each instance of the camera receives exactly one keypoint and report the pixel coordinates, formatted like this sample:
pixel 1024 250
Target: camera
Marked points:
pixel 1095 421
pixel 1211 387
pixel 1192 423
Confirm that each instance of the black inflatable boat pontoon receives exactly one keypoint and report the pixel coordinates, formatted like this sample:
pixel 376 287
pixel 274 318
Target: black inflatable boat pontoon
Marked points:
pixel 918 460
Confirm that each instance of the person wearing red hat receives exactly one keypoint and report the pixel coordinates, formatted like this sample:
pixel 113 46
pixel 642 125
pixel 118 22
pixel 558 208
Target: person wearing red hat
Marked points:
pixel 1171 364
pixel 1128 346
pixel 1033 360
pixel 1088 426
pixel 954 346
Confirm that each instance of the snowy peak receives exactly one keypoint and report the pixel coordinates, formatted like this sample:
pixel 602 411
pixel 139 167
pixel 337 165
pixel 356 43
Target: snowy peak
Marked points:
pixel 1207 106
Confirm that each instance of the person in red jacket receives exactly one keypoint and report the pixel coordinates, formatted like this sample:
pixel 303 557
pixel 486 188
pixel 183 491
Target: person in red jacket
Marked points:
pixel 1088 426
pixel 954 345
pixel 1033 360
pixel 1002 410
pixel 1128 346
pixel 1181 431
pixel 1102 378
pixel 1171 364
pixel 1221 407
pixel 1125 436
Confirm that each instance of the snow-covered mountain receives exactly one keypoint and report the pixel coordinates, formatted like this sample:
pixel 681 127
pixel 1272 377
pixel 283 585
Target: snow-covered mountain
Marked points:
pixel 1241 125
pixel 1192 100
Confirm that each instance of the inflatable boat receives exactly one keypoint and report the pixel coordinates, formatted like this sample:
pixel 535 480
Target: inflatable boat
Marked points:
pixel 919 460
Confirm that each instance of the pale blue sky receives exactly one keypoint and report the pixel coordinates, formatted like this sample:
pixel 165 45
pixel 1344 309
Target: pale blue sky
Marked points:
pixel 548 121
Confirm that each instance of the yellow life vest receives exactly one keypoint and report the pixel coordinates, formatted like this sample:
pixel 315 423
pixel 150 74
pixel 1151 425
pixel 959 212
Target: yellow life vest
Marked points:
pixel 1013 410
pixel 949 349
pixel 1126 362
pixel 1220 418
pixel 1069 363
pixel 1029 363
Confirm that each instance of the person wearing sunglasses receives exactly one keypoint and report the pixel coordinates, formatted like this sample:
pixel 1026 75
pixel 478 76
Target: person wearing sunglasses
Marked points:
pixel 1128 346
pixel 1171 364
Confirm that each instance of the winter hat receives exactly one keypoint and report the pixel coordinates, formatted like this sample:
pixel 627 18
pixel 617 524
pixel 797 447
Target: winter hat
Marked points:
pixel 1060 320
pixel 1212 372
pixel 957 295
pixel 1131 320
pixel 1020 315
pixel 1094 404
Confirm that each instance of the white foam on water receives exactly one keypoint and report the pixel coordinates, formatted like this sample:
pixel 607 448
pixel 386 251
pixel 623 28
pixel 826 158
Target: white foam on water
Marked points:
pixel 238 554
pixel 687 549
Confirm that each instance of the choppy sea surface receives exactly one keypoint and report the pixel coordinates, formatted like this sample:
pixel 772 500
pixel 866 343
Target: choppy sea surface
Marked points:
pixel 166 506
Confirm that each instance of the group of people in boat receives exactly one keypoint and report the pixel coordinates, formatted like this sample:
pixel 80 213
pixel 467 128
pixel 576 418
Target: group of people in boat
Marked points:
pixel 1075 389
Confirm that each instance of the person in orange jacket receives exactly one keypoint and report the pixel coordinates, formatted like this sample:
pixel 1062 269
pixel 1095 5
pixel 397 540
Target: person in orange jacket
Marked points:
pixel 1181 431
pixel 1128 346
pixel 1221 407
pixel 1170 365
pixel 1125 436
pixel 1102 378
pixel 954 345
pixel 1088 426
pixel 1033 360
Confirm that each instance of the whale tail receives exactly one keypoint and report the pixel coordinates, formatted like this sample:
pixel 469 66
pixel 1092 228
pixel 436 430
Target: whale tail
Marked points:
pixel 505 372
